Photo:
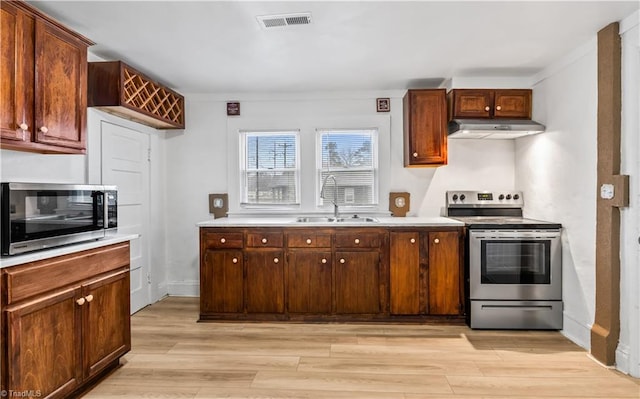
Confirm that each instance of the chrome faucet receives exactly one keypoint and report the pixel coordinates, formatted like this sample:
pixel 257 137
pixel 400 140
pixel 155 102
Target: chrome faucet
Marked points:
pixel 335 193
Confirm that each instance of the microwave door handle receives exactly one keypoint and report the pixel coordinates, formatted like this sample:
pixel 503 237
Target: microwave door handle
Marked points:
pixel 100 198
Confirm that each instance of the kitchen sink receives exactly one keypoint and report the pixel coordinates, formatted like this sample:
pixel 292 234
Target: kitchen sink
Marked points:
pixel 327 219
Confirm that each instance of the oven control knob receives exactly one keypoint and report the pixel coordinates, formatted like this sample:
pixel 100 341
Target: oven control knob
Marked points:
pixel 501 197
pixel 462 197
pixel 508 196
pixel 455 197
pixel 516 196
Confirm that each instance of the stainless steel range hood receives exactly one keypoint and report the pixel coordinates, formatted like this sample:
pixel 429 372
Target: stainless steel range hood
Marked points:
pixel 493 128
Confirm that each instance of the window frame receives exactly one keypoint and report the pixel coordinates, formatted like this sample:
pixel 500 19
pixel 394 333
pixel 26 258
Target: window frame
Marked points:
pixel 320 203
pixel 244 171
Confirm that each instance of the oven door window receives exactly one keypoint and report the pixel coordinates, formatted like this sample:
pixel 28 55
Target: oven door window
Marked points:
pixel 38 214
pixel 516 262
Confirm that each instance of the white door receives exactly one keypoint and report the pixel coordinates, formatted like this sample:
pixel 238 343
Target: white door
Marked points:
pixel 125 163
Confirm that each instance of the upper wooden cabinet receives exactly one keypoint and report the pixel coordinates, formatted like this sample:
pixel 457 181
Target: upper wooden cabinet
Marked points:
pixel 117 88
pixel 43 83
pixel 489 103
pixel 425 127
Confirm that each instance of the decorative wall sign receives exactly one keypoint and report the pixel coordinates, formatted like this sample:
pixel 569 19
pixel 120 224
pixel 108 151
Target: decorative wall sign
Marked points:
pixel 383 104
pixel 233 108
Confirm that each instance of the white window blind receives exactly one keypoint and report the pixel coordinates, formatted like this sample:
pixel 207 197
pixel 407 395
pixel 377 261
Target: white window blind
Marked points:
pixel 269 168
pixel 352 157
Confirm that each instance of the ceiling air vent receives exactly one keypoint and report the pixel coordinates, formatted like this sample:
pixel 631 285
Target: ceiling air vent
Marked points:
pixel 274 21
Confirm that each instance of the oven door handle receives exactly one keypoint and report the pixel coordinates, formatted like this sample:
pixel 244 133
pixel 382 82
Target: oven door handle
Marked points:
pixel 521 307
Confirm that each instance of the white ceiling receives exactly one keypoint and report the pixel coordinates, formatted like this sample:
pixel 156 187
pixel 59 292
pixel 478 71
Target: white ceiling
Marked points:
pixel 218 46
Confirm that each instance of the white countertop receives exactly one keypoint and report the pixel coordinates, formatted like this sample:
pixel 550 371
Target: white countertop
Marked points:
pixel 289 221
pixel 64 250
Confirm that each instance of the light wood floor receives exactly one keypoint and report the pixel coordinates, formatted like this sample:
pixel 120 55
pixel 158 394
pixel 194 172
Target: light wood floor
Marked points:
pixel 175 357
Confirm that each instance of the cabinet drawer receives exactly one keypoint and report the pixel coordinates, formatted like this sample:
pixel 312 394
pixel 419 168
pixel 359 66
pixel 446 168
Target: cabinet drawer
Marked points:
pixel 42 276
pixel 222 239
pixel 265 239
pixel 309 239
pixel 358 240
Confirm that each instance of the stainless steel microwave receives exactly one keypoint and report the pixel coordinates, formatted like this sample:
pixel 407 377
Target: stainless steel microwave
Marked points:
pixel 43 215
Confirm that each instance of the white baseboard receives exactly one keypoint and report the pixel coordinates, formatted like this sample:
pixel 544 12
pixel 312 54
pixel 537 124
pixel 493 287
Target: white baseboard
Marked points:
pixel 577 332
pixel 183 288
pixel 623 361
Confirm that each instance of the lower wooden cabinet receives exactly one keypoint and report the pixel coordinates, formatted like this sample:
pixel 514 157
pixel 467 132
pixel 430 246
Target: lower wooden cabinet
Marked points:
pixel 265 281
pixel 445 281
pixel 222 281
pixel 62 329
pixel 357 286
pixel 309 276
pixel 406 283
pixel 342 273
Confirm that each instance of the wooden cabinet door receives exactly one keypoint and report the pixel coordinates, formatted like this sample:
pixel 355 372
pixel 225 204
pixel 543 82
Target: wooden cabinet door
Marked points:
pixel 444 274
pixel 357 286
pixel 60 88
pixel 512 104
pixel 264 281
pixel 221 282
pixel 404 269
pixel 425 127
pixel 471 103
pixel 16 74
pixel 309 281
pixel 43 353
pixel 106 321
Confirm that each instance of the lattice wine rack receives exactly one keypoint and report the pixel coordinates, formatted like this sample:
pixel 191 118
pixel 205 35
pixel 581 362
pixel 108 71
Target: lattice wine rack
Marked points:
pixel 117 88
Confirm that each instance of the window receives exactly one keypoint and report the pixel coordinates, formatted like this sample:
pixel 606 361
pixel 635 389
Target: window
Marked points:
pixel 269 168
pixel 351 156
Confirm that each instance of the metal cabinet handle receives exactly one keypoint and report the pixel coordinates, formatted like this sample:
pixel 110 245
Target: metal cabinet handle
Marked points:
pixel 44 129
pixel 223 240
pixel 234 260
pixel 437 241
pixel 357 241
pixel 323 260
pixel 23 126
pixel 80 301
pixel 498 108
pixel 342 260
pixel 413 240
pixel 308 240
pixel 487 108
pixel 276 260
pixel 89 298
pixel 264 240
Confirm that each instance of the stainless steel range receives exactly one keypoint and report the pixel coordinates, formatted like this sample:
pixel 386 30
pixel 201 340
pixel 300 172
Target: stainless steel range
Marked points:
pixel 514 265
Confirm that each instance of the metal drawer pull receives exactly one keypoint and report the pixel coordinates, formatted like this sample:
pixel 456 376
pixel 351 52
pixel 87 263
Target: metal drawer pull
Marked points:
pixel 276 260
pixel 264 240
pixel 223 240
pixel 234 260
pixel 80 301
pixel 323 260
pixel 89 298
pixel 342 260
pixel 413 240
pixel 308 240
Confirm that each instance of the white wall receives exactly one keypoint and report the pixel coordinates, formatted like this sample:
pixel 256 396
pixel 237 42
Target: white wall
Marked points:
pixel 18 166
pixel 197 163
pixel 557 171
pixel 628 352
